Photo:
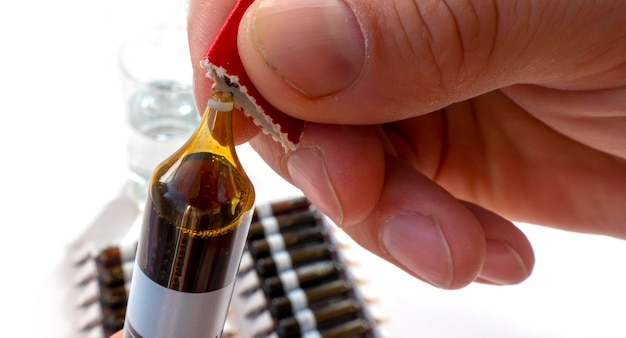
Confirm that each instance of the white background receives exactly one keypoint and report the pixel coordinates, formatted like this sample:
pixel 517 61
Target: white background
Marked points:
pixel 63 161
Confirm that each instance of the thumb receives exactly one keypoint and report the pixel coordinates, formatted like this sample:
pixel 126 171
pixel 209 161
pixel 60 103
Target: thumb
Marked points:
pixel 361 61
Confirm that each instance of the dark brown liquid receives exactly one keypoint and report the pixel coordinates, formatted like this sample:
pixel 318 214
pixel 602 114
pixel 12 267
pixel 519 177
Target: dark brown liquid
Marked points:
pixel 114 297
pixel 261 247
pixel 281 307
pixel 267 266
pixel 113 276
pixel 113 256
pixel 286 222
pixel 195 225
pixel 286 206
pixel 355 328
pixel 112 320
pixel 325 317
pixel 308 275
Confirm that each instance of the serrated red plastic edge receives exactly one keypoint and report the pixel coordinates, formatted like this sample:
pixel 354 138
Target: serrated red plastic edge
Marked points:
pixel 224 66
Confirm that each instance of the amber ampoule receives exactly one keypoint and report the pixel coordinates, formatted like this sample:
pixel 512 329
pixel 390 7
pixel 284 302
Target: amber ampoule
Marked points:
pixel 116 255
pixel 275 224
pixel 281 207
pixel 354 328
pixel 303 277
pixel 195 227
pixel 283 241
pixel 319 319
pixel 106 265
pixel 293 258
pixel 298 299
pixel 112 320
pixel 116 275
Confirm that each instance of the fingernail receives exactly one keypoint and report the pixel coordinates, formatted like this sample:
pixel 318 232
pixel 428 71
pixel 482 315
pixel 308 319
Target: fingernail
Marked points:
pixel 307 169
pixel 503 265
pixel 417 243
pixel 314 45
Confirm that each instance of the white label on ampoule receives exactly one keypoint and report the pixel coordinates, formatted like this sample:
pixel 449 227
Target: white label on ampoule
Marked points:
pixel 297 299
pixel 270 225
pixel 289 279
pixel 264 210
pixel 306 320
pixel 155 311
pixel 276 242
pixel 282 260
pixel 312 334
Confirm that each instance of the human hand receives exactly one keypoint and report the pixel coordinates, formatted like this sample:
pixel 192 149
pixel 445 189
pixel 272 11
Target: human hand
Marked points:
pixel 434 124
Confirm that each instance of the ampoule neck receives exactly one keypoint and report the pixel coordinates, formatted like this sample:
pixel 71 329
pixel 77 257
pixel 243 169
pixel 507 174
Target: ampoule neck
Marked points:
pixel 219 122
pixel 215 133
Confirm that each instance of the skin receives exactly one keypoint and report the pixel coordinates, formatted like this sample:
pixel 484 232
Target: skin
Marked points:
pixel 470 115
pixel 517 116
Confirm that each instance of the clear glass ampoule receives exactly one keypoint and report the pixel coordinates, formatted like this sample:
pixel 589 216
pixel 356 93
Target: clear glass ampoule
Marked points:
pixel 196 222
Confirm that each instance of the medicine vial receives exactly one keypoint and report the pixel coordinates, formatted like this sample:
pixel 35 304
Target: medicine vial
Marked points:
pixel 289 259
pixel 283 241
pixel 298 299
pixel 276 224
pixel 318 319
pixel 197 216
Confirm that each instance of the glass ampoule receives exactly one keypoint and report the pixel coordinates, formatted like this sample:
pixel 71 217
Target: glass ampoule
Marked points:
pixel 196 222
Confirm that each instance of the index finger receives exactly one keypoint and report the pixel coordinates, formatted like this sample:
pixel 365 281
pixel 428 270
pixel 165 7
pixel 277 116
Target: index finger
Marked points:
pixel 204 21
